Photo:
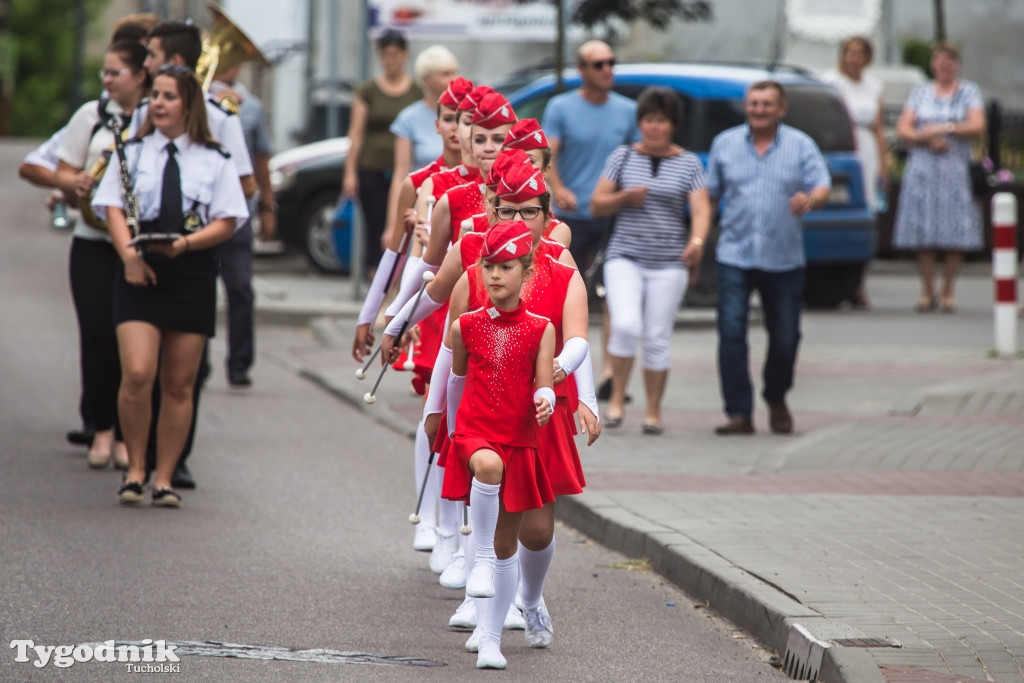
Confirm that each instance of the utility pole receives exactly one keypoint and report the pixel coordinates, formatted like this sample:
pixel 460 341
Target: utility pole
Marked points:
pixel 940 21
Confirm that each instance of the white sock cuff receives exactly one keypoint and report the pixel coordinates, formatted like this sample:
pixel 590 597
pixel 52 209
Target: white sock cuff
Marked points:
pixel 485 489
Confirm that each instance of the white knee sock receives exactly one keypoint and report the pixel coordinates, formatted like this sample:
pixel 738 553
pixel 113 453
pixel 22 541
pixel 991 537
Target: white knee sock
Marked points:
pixel 483 511
pixel 421 457
pixel 449 515
pixel 506 578
pixel 533 565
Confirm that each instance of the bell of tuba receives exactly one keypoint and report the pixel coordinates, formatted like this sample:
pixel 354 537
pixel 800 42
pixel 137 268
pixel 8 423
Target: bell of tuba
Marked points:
pixel 225 47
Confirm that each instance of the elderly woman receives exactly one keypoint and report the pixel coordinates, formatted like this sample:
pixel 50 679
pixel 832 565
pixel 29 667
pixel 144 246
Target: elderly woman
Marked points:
pixel 657 189
pixel 936 211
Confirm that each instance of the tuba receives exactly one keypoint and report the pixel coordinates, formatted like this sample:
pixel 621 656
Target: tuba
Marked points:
pixel 225 47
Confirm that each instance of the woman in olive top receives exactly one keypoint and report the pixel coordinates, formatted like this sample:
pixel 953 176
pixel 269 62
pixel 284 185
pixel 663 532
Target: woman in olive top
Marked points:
pixel 371 156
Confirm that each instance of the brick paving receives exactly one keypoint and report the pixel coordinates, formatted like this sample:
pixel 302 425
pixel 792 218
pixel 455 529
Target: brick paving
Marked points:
pixel 895 511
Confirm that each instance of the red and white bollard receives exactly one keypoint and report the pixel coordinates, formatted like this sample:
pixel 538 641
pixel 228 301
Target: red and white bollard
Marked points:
pixel 1004 271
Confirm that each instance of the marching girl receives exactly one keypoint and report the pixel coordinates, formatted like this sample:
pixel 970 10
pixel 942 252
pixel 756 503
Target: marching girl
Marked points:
pixel 447 127
pixel 93 262
pixel 527 135
pixel 491 121
pixel 499 391
pixel 424 538
pixel 165 298
pixel 555 291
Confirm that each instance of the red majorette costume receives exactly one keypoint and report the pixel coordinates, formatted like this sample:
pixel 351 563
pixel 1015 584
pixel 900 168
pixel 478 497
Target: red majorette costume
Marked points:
pixel 544 294
pixel 496 410
pixel 432 327
pixel 526 135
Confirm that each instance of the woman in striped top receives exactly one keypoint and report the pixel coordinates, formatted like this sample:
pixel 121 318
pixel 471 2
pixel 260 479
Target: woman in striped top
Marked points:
pixel 657 189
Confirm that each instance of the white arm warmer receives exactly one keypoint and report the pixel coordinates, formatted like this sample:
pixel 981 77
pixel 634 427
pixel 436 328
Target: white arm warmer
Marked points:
pixel 426 307
pixel 376 294
pixel 411 280
pixel 574 350
pixel 456 385
pixel 545 392
pixel 437 396
pixel 585 384
pixel 411 270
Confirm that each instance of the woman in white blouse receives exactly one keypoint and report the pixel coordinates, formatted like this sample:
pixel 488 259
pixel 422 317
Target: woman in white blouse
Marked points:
pixel 862 94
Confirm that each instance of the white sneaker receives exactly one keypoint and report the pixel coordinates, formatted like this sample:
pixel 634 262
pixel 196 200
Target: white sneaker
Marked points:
pixel 454 575
pixel 539 630
pixel 514 620
pixel 441 555
pixel 473 644
pixel 480 583
pixel 490 656
pixel 465 615
pixel 424 538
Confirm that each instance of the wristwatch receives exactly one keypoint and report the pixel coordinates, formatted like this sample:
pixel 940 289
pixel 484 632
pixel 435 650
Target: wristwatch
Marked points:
pixel 950 127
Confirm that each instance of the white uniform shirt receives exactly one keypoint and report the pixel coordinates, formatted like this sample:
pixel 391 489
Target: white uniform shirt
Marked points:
pixel 209 180
pixel 45 155
pixel 80 148
pixel 225 127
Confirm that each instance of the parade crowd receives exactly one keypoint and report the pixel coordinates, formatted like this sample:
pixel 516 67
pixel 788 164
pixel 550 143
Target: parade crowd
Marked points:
pixel 480 225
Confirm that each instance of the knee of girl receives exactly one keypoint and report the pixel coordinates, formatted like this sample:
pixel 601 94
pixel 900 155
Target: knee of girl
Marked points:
pixel 487 468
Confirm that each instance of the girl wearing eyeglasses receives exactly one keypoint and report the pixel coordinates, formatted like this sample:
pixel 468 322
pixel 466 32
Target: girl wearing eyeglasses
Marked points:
pixel 186 186
pixel 93 261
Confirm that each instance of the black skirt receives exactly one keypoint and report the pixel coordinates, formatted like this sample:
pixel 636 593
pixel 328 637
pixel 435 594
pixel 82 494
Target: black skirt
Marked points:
pixel 184 297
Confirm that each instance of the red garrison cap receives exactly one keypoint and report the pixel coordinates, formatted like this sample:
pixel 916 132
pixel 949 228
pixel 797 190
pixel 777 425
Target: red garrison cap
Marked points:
pixel 526 134
pixel 507 240
pixel 456 91
pixel 493 111
pixel 471 99
pixel 506 159
pixel 521 182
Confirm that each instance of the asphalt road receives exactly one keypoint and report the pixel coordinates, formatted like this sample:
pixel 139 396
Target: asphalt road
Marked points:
pixel 296 537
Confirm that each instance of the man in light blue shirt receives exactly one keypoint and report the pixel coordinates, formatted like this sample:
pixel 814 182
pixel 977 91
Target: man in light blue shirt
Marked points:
pixel 583 128
pixel 768 175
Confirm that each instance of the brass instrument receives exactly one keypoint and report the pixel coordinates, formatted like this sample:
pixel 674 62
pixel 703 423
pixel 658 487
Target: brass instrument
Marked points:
pixel 97 171
pixel 225 47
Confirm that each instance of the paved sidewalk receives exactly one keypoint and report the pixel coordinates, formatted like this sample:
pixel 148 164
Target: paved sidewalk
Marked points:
pixel 889 526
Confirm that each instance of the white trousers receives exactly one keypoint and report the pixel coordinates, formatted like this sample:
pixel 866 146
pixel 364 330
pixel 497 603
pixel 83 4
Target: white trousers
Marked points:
pixel 642 304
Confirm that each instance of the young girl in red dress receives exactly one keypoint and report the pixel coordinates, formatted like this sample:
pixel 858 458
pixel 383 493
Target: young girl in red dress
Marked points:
pixel 499 392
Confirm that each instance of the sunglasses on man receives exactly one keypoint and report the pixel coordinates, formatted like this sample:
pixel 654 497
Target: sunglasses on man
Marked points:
pixel 599 64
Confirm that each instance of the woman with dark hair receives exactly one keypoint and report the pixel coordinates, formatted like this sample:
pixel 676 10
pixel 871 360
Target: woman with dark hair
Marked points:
pixel 187 189
pixel 657 189
pixel 936 210
pixel 371 156
pixel 93 261
pixel 862 94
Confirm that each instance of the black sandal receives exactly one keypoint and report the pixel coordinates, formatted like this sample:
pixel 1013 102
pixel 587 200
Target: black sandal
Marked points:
pixel 167 498
pixel 129 493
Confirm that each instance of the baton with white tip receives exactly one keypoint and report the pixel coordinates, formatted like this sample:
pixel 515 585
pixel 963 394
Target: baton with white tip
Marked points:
pixel 371 395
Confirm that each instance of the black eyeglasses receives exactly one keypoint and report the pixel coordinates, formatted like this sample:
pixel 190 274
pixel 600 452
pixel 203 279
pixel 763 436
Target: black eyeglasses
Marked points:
pixel 599 64
pixel 507 213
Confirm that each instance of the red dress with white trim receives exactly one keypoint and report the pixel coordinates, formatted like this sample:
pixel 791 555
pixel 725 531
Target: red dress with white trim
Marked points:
pixel 497 410
pixel 544 294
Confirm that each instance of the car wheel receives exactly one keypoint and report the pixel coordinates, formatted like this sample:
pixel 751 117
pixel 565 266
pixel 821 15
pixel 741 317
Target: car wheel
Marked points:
pixel 317 221
pixel 828 286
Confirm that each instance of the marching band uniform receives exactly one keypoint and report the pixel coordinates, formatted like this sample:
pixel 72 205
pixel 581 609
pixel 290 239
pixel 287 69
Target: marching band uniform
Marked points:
pixel 92 266
pixel 185 296
pixel 494 410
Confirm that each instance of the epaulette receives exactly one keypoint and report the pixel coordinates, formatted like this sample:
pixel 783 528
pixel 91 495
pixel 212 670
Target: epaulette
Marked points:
pixel 229 108
pixel 132 141
pixel 220 148
pixel 144 102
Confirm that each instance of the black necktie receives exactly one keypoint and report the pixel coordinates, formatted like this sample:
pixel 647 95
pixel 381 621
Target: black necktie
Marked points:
pixel 170 219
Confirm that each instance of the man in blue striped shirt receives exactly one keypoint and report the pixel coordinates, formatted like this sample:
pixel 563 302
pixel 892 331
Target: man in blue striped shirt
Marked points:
pixel 768 175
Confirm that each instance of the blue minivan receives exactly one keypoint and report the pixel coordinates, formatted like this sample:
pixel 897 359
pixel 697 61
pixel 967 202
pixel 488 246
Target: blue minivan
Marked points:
pixel 839 238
